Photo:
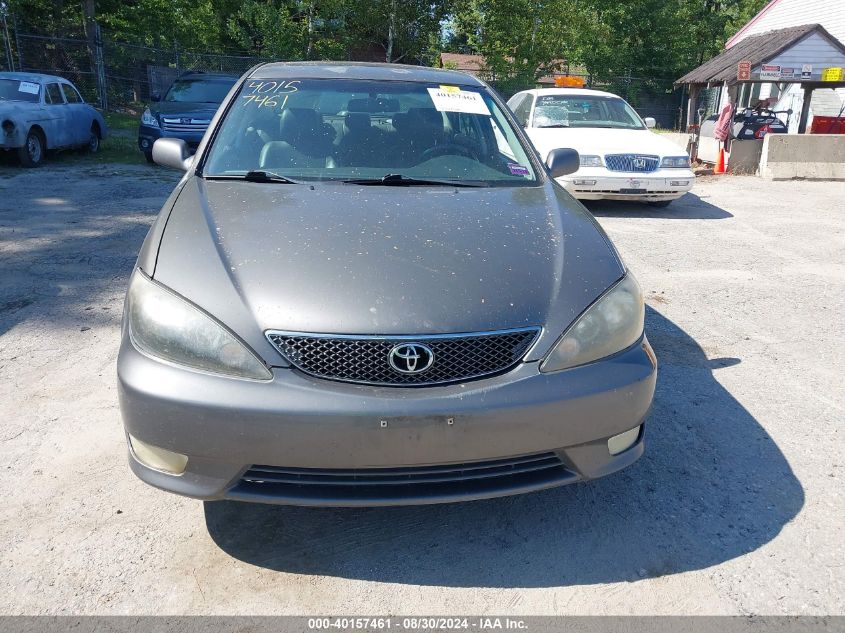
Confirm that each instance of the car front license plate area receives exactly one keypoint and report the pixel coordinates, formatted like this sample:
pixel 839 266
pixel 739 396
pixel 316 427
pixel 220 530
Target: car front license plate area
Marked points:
pixel 632 190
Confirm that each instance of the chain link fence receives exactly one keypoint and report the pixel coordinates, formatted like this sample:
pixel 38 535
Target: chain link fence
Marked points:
pixel 114 75
pixel 118 75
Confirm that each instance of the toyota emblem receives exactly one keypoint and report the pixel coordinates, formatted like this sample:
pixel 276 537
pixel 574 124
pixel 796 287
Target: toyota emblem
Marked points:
pixel 410 358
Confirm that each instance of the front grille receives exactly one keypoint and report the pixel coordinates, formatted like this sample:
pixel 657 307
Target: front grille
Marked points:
pixel 366 359
pixel 637 163
pixel 413 482
pixel 184 125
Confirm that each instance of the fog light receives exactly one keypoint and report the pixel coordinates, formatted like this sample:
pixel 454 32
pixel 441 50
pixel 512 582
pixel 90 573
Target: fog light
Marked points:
pixel 622 442
pixel 588 183
pixel 679 183
pixel 145 143
pixel 158 458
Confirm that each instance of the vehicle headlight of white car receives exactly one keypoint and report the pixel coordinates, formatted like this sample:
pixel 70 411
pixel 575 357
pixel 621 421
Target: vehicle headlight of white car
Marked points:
pixel 148 119
pixel 675 162
pixel 613 323
pixel 164 325
pixel 590 161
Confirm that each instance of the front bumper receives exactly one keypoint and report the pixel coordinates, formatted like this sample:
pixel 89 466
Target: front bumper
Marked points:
pixel 295 422
pixel 147 136
pixel 598 183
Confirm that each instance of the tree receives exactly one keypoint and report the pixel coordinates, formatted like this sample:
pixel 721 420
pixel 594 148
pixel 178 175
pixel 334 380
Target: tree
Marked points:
pixel 406 30
pixel 289 29
pixel 520 40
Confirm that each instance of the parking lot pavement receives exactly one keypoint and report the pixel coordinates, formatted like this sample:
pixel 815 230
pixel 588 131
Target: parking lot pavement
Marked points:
pixel 737 506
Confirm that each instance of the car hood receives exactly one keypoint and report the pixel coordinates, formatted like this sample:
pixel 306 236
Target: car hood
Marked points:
pixel 601 141
pixel 184 108
pixel 348 259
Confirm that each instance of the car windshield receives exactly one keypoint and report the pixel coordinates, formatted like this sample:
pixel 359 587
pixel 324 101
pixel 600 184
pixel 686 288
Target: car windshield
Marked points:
pixel 16 90
pixel 585 111
pixel 335 129
pixel 199 90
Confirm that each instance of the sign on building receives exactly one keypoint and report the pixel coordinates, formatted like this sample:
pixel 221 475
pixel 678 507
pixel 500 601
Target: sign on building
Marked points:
pixel 767 71
pixel 743 71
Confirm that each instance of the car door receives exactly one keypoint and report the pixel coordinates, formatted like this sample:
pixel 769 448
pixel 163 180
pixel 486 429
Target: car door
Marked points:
pixel 57 126
pixel 79 119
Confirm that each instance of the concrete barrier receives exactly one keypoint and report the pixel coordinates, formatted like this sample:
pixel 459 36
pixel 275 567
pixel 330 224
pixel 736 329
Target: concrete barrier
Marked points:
pixel 744 157
pixel 678 138
pixel 806 156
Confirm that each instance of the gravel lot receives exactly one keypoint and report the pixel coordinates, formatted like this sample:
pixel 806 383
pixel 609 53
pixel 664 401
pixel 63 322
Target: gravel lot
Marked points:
pixel 735 508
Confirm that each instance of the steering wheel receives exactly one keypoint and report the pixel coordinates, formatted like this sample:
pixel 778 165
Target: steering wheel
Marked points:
pixel 448 148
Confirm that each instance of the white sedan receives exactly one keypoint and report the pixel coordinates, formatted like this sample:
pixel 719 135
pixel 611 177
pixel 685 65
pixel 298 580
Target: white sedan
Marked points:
pixel 621 158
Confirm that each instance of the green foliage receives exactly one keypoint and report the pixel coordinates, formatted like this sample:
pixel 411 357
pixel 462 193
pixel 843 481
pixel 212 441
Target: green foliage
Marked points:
pixel 288 29
pixel 653 41
pixel 521 40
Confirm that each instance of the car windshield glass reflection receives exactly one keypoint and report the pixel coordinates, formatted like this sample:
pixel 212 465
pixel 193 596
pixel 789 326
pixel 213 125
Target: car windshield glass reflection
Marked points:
pixel 14 90
pixel 198 91
pixel 384 132
pixel 585 111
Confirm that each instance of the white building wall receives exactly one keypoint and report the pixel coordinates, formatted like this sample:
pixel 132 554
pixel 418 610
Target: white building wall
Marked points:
pixel 780 14
pixel 783 13
pixel 814 47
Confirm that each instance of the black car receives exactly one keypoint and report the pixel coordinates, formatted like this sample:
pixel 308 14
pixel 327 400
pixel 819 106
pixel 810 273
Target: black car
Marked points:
pixel 185 111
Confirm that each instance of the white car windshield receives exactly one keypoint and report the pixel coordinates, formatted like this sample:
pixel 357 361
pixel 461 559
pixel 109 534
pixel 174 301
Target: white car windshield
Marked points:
pixel 336 129
pixel 585 111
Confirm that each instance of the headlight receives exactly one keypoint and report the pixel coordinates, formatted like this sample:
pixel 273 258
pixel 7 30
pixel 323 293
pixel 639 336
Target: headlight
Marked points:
pixel 675 161
pixel 611 324
pixel 164 325
pixel 590 161
pixel 148 119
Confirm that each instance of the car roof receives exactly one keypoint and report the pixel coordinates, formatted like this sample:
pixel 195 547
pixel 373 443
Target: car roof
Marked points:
pixel 34 77
pixel 363 71
pixel 571 91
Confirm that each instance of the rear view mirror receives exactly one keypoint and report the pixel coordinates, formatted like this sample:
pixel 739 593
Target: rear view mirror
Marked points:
pixel 562 162
pixel 650 122
pixel 172 152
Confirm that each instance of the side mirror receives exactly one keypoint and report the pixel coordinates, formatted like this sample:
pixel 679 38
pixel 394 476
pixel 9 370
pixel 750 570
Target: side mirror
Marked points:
pixel 562 162
pixel 155 96
pixel 650 122
pixel 172 152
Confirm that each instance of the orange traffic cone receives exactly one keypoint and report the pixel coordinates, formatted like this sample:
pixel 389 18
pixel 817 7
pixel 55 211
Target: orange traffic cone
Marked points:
pixel 720 163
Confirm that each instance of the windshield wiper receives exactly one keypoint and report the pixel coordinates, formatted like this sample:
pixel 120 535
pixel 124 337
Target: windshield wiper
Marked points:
pixel 400 180
pixel 256 175
pixel 555 125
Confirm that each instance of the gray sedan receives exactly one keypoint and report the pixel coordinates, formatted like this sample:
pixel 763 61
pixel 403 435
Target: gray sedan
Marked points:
pixel 368 290
pixel 43 112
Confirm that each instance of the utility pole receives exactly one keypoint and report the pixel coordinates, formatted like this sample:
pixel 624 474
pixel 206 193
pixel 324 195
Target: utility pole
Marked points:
pixel 7 45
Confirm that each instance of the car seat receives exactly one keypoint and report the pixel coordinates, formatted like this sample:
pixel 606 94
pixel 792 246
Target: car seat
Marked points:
pixel 304 141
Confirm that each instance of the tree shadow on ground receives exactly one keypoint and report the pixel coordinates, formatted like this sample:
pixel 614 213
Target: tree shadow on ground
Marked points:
pixel 712 486
pixel 69 238
pixel 688 207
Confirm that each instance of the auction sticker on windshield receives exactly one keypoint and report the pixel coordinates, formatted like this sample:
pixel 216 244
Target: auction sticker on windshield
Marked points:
pixel 453 99
pixel 28 87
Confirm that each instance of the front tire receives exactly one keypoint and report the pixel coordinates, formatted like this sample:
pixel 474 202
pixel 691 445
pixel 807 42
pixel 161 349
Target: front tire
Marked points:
pixel 32 152
pixel 149 157
pixel 93 145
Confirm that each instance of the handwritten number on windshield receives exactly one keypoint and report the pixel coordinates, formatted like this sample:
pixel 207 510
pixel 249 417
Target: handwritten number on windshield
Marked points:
pixel 267 93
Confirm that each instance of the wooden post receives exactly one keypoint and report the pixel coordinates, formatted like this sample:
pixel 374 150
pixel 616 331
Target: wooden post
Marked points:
pixel 805 108
pixel 693 98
